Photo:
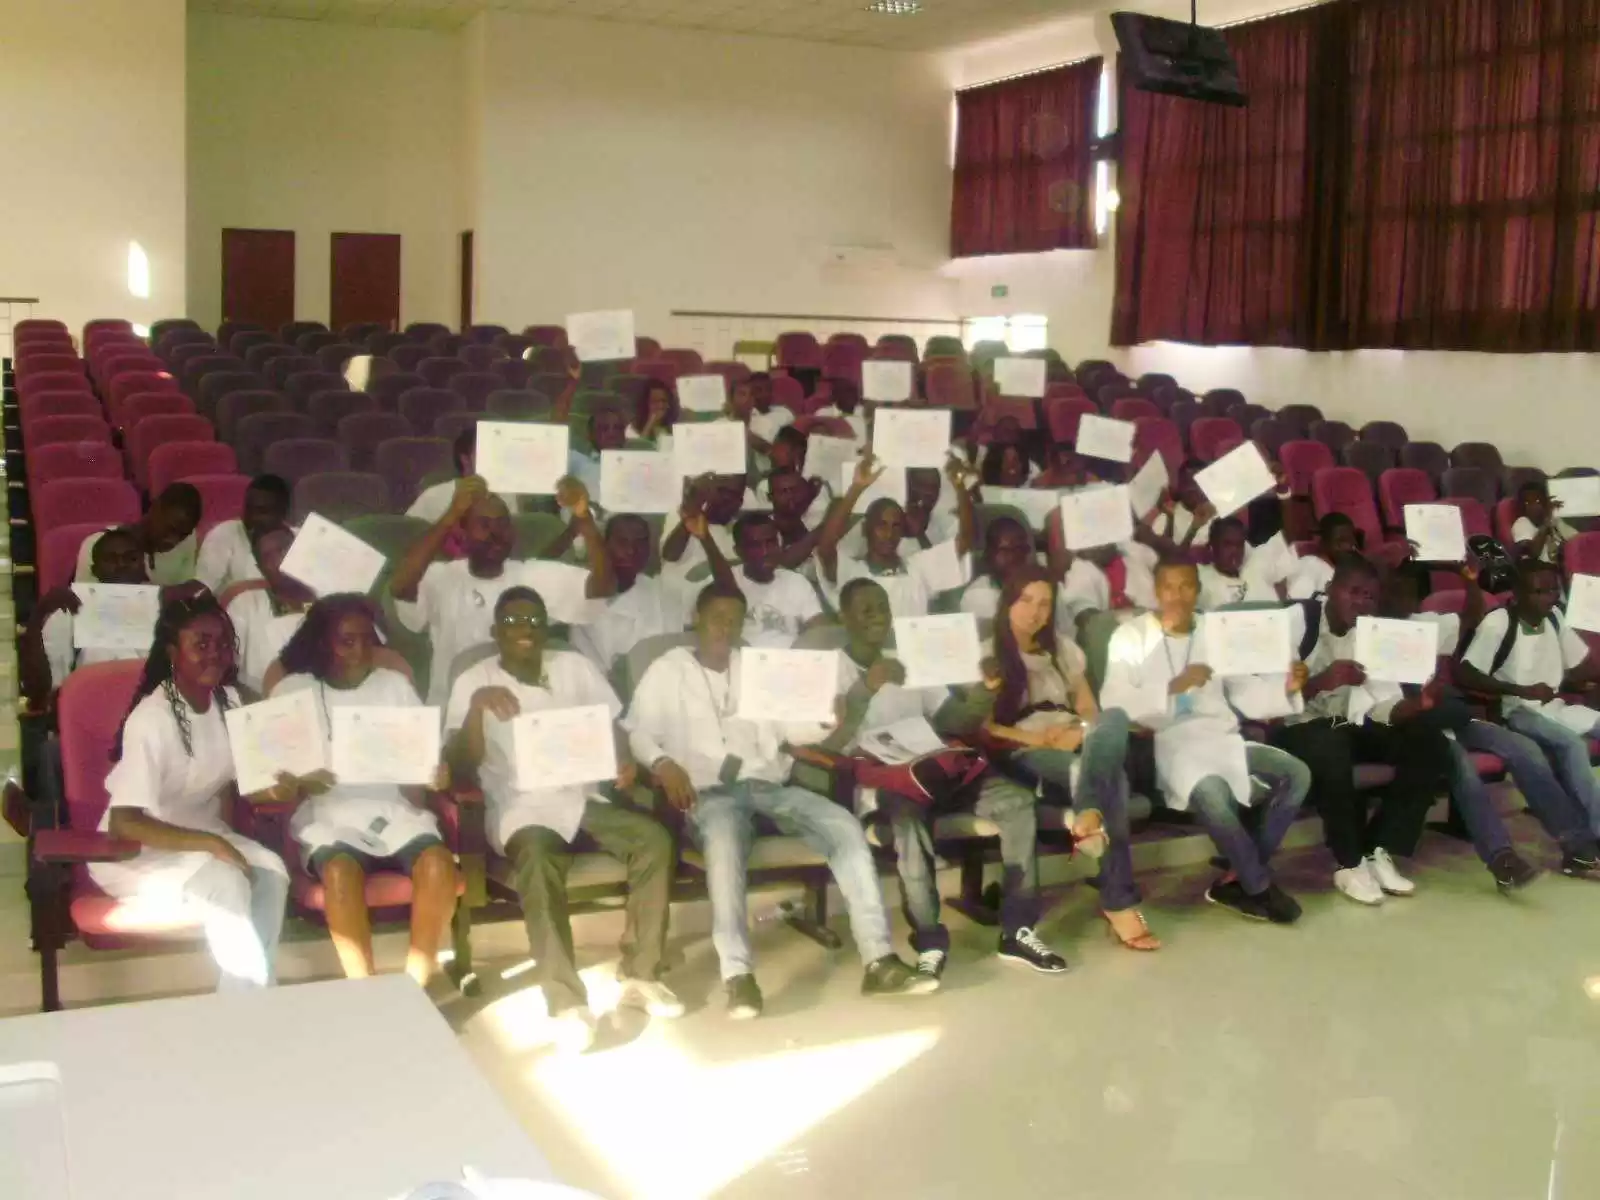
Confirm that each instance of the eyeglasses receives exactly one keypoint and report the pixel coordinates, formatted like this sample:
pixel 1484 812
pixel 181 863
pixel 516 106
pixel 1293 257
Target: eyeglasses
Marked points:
pixel 511 621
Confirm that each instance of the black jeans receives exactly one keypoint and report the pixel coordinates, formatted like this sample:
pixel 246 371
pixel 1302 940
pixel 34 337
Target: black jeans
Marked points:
pixel 1420 756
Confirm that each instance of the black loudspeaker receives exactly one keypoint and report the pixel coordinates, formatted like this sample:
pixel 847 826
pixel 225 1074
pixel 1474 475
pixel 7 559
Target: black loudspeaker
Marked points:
pixel 1177 59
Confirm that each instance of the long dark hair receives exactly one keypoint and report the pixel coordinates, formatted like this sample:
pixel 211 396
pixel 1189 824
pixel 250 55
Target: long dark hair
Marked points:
pixel 307 652
pixel 176 616
pixel 1013 697
pixel 641 406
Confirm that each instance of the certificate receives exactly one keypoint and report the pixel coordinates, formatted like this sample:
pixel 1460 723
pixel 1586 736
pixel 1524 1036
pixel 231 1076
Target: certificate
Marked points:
pixel 1036 503
pixel 885 382
pixel 940 568
pixel 787 685
pixel 1436 530
pixel 521 458
pixel 563 587
pixel 891 485
pixel 1236 478
pixel 1397 651
pixel 1583 603
pixel 904 741
pixel 1579 495
pixel 385 744
pixel 639 481
pixel 1105 437
pixel 825 455
pixel 1248 643
pixel 563 747
pixel 1145 488
pixel 709 448
pixel 269 736
pixel 602 336
pixel 911 437
pixel 1096 516
pixel 328 559
pixel 1020 377
pixel 702 393
pixel 115 616
pixel 938 651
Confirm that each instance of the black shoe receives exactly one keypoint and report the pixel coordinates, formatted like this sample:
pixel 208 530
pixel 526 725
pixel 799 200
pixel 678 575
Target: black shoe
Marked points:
pixel 1282 908
pixel 891 977
pixel 931 963
pixel 1511 871
pixel 1232 895
pixel 744 998
pixel 1024 947
pixel 1582 865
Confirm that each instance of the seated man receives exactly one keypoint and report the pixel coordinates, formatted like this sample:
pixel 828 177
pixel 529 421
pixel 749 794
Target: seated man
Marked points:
pixel 1336 537
pixel 1007 546
pixel 1350 719
pixel 932 515
pixel 641 608
pixel 779 603
pixel 433 502
pixel 1157 672
pixel 1237 573
pixel 45 655
pixel 226 554
pixel 1539 532
pixel 872 685
pixel 608 430
pixel 724 771
pixel 165 534
pixel 535 828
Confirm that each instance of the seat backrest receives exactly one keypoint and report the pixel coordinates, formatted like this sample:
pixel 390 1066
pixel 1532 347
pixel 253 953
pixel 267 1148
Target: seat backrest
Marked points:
pixel 423 406
pixel 1428 457
pixel 1582 555
pixel 58 552
pixel 1512 479
pixel 333 356
pixel 480 357
pixel 1302 458
pixel 512 372
pixel 1474 517
pixel 61 404
pixel 1484 455
pixel 290 331
pixel 389 388
pixel 41 431
pixel 450 425
pixel 1335 435
pixel 327 409
pixel 258 357
pixel 294 458
pixel 437 372
pixel 236 407
pixel 1219 402
pixel 1062 414
pixel 221 498
pixel 72 460
pixel 134 383
pixel 1346 490
pixel 1385 433
pixel 242 341
pixel 208 398
pixel 55 381
pixel 508 404
pixel 798 348
pixel 1476 482
pixel 405 462
pixel 362 433
pixel 422 332
pixel 340 495
pixel 279 369
pixel 172 461
pixel 38 364
pixel 1373 458
pixel 302 385
pixel 260 430
pixel 1300 416
pixel 76 501
pixel 90 708
pixel 1400 486
pixel 474 387
pixel 407 357
pixel 949 385
pixel 446 345
pixel 1506 511
pixel 1207 434
pixel 1157 435
pixel 151 432
pixel 196 369
pixel 140 405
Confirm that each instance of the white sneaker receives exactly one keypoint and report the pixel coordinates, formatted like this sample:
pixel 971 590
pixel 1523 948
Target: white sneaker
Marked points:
pixel 574 1029
pixel 1387 875
pixel 655 997
pixel 1359 884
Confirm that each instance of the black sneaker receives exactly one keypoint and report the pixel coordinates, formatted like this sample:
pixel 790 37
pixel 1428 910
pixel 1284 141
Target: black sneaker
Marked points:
pixel 1583 865
pixel 1024 947
pixel 1232 895
pixel 1282 908
pixel 930 965
pixel 891 977
pixel 1511 871
pixel 744 998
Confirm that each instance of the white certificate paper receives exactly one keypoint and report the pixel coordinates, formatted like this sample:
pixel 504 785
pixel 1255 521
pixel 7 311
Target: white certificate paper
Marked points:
pixel 940 568
pixel 1579 495
pixel 639 481
pixel 1146 486
pixel 385 744
pixel 520 458
pixel 702 393
pixel 601 336
pixel 283 733
pixel 328 559
pixel 1583 603
pixel 1105 437
pixel 787 685
pixel 885 382
pixel 938 651
pixel 1436 530
pixel 1248 643
pixel 911 437
pixel 904 741
pixel 1023 378
pixel 1096 516
pixel 890 485
pixel 1397 651
pixel 709 447
pixel 825 455
pixel 563 747
pixel 115 616
pixel 1036 503
pixel 1236 478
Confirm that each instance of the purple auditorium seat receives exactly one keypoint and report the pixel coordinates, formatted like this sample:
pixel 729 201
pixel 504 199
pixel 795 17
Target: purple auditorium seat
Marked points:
pixel 446 345
pixel 1303 459
pixel 1335 435
pixel 172 461
pixel 1401 486
pixel 452 425
pixel 1300 417
pixel 279 369
pixel 1208 434
pixel 196 370
pixel 42 431
pixel 423 406
pixel 842 360
pixel 300 386
pixel 512 372
pixel 423 332
pixel 383 344
pixel 858 340
pixel 437 372
pixel 359 331
pixel 1386 433
pixel 408 356
pixel 546 335
pixel 799 349
pixel 1475 483
pixel 291 331
pixel 1151 380
pixel 1270 436
pixel 172 339
pixel 258 356
pixel 1428 457
pixel 513 345
pixel 236 406
pixel 221 383
pixel 474 387
pixel 899 347
pixel 688 362
pixel 484 335
pixel 1371 458
pixel 340 495
pixel 258 431
pixel 294 458
pixel 480 357
pixel 390 388
pixel 552 360
pixel 405 462
pixel 314 341
pixel 509 404
pixel 158 329
pixel 1114 389
pixel 246 340
pixel 327 409
pixel 362 433
pixel 333 357
pixel 1184 413
pixel 1483 455
pixel 1513 478
pixel 227 330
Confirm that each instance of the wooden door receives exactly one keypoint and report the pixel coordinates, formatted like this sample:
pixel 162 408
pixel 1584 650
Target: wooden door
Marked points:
pixel 258 276
pixel 366 279
pixel 466 279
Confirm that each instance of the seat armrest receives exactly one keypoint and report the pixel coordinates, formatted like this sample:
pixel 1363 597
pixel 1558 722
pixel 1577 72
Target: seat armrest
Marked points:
pixel 81 846
pixel 463 822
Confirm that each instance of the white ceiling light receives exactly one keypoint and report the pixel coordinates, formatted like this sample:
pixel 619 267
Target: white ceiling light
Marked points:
pixel 895 8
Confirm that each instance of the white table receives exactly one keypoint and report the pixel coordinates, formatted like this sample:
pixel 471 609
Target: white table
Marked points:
pixel 351 1090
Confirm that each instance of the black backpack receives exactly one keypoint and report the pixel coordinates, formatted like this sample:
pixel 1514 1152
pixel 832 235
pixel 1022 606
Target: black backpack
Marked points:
pixel 1312 610
pixel 1498 572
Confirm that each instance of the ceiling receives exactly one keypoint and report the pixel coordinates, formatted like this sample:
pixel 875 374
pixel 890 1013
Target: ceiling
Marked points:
pixel 942 24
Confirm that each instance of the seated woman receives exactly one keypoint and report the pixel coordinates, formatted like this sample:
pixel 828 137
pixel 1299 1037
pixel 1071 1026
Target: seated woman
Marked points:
pixel 1045 721
pixel 654 416
pixel 267 613
pixel 172 777
pixel 346 831
pixel 1005 465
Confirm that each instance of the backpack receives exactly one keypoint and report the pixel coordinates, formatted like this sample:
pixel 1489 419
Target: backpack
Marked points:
pixel 1312 610
pixel 1499 570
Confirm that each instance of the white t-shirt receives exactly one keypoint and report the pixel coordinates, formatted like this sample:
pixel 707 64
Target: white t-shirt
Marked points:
pixel 777 610
pixel 225 557
pixel 1217 589
pixel 642 611
pixel 856 421
pixel 908 597
pixel 1374 699
pixel 262 635
pixel 1311 577
pixel 765 425
pixel 167 568
pixel 433 502
pixel 943 526
pixel 661 441
pixel 373 817
pixel 890 703
pixel 1448 628
pixel 156 775
pixel 1524 530
pixel 1542 657
pixel 569 681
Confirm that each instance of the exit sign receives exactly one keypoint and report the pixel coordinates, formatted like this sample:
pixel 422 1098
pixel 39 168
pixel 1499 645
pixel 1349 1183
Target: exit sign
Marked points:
pixel 999 291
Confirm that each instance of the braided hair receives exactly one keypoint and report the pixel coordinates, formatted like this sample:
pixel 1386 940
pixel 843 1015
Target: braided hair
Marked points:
pixel 176 616
pixel 307 652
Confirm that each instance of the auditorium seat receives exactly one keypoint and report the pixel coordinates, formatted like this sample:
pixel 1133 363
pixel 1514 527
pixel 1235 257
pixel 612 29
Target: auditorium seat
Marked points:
pixel 172 461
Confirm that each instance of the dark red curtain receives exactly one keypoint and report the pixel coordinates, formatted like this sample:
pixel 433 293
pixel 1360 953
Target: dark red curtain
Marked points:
pixel 1023 173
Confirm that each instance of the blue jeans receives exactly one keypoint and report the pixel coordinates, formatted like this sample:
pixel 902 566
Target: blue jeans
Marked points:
pixel 723 824
pixel 1102 787
pixel 1286 780
pixel 1561 815
pixel 1568 755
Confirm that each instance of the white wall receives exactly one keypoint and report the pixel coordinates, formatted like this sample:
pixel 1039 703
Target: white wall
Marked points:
pixel 91 137
pixel 630 166
pixel 1537 408
pixel 322 127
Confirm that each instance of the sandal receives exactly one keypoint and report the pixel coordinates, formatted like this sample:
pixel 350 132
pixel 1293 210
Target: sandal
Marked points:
pixel 1143 940
pixel 1089 836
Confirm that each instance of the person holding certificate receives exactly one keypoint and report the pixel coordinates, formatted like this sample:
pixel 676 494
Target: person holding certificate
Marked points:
pixel 169 786
pixel 227 553
pixel 1046 726
pixel 45 654
pixel 349 829
pixel 608 430
pixel 844 404
pixel 931 520
pixel 724 771
pixel 1539 531
pixel 265 612
pixel 433 502
pixel 720 498
pixel 535 827
pixel 1234 575
pixel 641 608
pixel 166 538
pixel 779 603
pixel 654 416
pixel 1007 547
pixel 1158 672
pixel 1336 538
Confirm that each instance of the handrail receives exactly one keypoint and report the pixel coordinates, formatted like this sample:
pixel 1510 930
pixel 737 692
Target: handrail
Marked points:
pixel 754 316
pixel 19 299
